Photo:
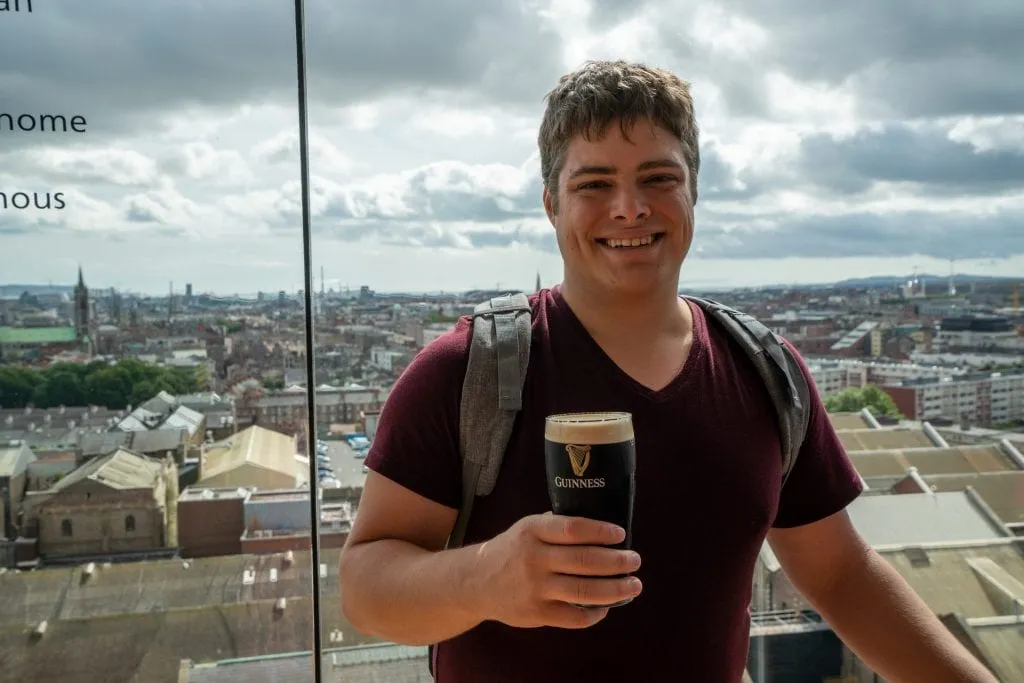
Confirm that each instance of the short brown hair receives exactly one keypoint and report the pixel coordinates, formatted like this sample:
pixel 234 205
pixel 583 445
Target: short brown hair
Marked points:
pixel 586 101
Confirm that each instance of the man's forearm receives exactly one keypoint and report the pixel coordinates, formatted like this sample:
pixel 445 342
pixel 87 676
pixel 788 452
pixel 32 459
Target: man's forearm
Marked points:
pixel 400 592
pixel 892 630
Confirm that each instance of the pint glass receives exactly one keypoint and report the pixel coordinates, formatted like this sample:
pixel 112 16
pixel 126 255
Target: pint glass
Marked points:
pixel 591 467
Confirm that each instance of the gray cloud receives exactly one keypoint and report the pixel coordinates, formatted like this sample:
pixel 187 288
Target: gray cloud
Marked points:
pixel 124 64
pixel 899 153
pixel 910 58
pixel 938 234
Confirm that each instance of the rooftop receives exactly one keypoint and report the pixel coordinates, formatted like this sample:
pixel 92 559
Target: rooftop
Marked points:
pixel 37 335
pixel 1002 491
pixel 14 458
pixel 193 493
pixel 254 445
pixel 137 621
pixel 931 461
pixel 375 663
pixel 999 644
pixel 849 421
pixel 877 439
pixel 122 469
pixel 922 518
pixel 973 581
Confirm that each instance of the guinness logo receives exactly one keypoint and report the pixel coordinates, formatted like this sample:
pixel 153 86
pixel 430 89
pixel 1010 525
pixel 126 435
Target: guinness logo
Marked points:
pixel 579 458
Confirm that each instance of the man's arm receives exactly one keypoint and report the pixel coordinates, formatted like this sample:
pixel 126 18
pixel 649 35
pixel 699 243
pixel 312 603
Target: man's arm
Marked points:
pixel 870 606
pixel 395 584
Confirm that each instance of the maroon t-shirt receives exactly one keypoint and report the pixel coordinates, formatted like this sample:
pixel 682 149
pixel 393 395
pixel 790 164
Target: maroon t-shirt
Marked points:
pixel 707 491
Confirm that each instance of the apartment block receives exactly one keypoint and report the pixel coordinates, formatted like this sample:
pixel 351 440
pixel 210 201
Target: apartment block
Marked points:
pixel 976 398
pixel 286 409
pixel 834 375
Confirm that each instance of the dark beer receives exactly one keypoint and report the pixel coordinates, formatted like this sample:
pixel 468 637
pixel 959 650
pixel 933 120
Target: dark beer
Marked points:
pixel 591 467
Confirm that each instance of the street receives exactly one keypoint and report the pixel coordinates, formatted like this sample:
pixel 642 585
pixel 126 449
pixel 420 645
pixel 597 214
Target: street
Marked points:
pixel 347 467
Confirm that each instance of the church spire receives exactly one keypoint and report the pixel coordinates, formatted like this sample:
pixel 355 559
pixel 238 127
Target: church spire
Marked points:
pixel 537 288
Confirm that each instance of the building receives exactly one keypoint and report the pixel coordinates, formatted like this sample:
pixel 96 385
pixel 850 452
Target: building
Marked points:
pixel 35 344
pixel 123 502
pixel 240 520
pixel 856 342
pixel 982 399
pixel 211 521
pixel 278 521
pixel 286 409
pixel 252 458
pixel 82 310
pixel 833 376
pixel 161 412
pixel 978 332
pixel 15 458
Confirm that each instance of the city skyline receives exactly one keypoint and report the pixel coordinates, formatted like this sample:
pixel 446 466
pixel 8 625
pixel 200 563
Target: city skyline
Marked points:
pixel 937 283
pixel 826 152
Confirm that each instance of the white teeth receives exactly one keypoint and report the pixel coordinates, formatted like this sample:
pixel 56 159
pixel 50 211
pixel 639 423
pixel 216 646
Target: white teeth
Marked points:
pixel 635 242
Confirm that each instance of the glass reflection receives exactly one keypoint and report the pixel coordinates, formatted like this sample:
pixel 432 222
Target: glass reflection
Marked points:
pixel 155 490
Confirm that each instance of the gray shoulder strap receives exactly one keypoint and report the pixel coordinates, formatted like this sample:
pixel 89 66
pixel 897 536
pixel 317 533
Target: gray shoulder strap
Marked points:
pixel 492 395
pixel 786 383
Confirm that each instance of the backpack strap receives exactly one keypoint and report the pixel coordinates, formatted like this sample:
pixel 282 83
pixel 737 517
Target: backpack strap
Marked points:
pixel 492 395
pixel 779 369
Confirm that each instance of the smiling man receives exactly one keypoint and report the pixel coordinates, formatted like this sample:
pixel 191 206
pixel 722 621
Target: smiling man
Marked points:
pixel 619 158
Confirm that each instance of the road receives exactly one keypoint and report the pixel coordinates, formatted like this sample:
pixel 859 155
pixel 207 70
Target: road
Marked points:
pixel 347 467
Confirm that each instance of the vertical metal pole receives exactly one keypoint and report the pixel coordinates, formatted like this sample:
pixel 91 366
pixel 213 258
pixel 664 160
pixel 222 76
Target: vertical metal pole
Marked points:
pixel 307 263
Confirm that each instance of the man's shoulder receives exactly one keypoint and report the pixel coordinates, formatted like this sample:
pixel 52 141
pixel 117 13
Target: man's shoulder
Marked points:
pixel 448 353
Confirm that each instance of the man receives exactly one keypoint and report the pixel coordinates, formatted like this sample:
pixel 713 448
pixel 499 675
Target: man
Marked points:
pixel 619 159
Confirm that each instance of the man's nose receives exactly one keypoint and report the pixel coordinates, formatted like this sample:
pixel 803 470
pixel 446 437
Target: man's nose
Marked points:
pixel 629 205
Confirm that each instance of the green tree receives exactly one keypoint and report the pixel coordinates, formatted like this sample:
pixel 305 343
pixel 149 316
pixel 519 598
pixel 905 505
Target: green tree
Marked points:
pixel 856 399
pixel 17 385
pixel 113 386
pixel 109 387
pixel 61 388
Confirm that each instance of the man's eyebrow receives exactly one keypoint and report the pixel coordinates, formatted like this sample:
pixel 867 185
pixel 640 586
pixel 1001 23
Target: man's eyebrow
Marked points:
pixel 611 170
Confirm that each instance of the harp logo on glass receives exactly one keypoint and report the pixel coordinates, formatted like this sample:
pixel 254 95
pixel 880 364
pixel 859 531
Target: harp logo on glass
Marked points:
pixel 579 459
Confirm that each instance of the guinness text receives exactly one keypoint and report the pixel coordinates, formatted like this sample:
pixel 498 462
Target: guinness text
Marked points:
pixel 565 483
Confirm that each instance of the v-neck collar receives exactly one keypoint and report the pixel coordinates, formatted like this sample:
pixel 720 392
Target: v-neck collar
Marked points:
pixel 609 366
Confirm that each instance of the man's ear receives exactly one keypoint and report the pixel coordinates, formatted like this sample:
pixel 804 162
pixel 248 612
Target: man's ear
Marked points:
pixel 549 208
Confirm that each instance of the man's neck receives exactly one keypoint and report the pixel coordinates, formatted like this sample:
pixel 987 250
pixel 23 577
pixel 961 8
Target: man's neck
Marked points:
pixel 650 317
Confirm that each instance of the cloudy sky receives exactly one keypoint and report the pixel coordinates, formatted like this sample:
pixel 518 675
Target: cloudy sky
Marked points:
pixel 869 138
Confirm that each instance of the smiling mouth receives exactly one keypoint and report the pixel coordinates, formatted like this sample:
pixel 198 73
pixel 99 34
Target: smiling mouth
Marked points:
pixel 634 243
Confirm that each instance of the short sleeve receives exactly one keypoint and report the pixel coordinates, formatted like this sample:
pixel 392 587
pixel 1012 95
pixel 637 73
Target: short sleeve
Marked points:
pixel 416 444
pixel 824 480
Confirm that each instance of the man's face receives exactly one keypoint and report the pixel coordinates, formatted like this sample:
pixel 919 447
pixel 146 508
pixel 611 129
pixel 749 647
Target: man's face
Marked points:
pixel 614 192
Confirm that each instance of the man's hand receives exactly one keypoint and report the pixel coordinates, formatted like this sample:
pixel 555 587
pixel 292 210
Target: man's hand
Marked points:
pixel 540 570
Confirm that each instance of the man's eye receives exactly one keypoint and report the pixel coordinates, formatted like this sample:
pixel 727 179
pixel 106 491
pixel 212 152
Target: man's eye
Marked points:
pixel 593 184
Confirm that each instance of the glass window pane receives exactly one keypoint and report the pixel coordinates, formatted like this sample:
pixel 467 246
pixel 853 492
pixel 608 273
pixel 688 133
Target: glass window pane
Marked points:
pixel 156 515
pixel 829 208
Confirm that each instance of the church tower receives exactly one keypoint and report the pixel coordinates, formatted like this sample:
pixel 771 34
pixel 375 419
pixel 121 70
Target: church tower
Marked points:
pixel 81 307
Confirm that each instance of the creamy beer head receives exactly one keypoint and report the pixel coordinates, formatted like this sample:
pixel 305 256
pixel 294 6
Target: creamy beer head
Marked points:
pixel 589 428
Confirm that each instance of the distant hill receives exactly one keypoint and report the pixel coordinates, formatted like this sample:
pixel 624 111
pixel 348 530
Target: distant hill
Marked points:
pixel 896 280
pixel 9 291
